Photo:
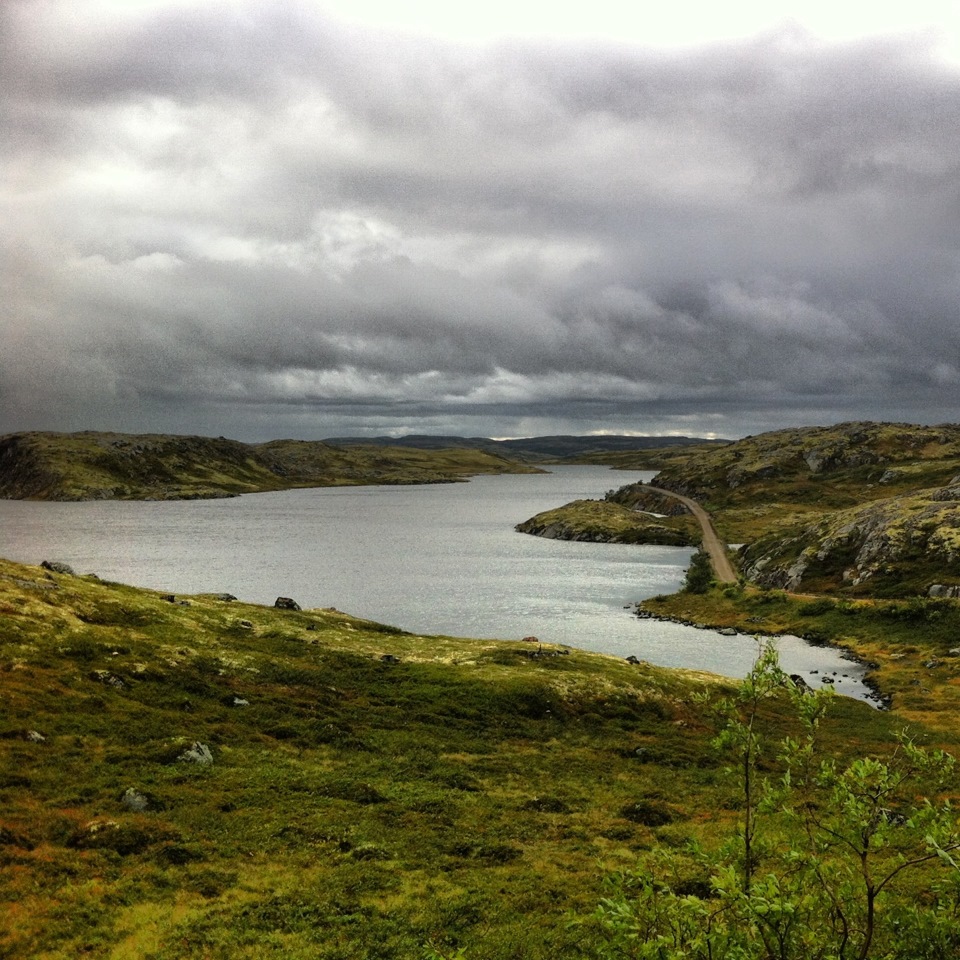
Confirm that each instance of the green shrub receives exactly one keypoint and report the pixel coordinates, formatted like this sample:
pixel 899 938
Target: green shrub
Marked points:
pixel 699 575
pixel 816 608
pixel 815 863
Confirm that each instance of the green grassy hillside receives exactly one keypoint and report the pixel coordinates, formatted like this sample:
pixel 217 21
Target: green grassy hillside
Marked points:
pixel 197 777
pixel 576 449
pixel 601 521
pixel 112 466
pixel 912 646
pixel 786 476
pixel 650 458
pixel 834 466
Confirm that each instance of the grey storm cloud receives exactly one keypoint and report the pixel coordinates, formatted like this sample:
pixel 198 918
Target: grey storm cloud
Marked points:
pixel 252 218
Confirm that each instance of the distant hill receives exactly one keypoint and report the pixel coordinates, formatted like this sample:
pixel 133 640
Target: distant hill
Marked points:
pixel 90 465
pixel 838 465
pixel 558 447
pixel 117 466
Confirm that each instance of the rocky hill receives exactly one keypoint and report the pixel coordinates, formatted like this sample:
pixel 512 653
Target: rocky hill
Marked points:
pixel 115 466
pixel 868 508
pixel 840 465
pixel 533 449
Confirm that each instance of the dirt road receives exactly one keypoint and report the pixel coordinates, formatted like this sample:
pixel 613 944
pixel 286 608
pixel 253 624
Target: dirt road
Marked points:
pixel 715 547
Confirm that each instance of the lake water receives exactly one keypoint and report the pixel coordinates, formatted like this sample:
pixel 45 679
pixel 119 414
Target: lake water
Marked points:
pixel 437 559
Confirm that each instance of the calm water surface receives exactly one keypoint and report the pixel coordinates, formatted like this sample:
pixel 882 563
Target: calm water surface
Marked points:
pixel 440 559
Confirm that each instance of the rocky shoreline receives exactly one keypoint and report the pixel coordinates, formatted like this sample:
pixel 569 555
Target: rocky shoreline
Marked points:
pixel 880 699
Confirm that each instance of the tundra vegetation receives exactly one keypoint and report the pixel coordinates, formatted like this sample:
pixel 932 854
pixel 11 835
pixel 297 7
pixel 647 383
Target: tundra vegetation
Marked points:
pixel 117 466
pixel 198 777
pixel 604 521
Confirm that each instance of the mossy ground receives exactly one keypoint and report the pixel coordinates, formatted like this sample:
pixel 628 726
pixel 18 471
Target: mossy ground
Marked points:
pixel 469 794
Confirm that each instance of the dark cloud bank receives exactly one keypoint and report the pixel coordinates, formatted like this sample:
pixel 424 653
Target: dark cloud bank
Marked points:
pixel 253 221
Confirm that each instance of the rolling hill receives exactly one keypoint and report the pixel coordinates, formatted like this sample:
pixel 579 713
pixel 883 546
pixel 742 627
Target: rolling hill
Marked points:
pixel 115 466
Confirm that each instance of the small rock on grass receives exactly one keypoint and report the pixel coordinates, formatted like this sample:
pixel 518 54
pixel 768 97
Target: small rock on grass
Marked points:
pixel 134 800
pixel 198 753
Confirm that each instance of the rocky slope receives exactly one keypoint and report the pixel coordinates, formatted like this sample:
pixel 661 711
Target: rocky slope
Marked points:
pixel 905 544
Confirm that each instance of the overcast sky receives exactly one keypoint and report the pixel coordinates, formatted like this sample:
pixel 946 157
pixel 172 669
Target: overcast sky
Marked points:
pixel 283 218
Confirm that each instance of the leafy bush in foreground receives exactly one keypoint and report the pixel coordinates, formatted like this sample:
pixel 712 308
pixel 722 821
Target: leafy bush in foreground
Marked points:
pixel 814 866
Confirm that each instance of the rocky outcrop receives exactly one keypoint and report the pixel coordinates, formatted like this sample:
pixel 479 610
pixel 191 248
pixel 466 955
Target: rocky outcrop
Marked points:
pixel 640 497
pixel 198 753
pixel 135 800
pixel 941 590
pixel 903 537
pixel 951 492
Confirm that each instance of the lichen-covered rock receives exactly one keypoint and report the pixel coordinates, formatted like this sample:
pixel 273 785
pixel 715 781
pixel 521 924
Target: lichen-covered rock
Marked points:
pixel 950 492
pixel 198 753
pixel 940 590
pixel 850 547
pixel 107 678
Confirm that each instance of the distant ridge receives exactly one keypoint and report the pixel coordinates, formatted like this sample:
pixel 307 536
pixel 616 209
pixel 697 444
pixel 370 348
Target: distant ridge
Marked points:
pixel 92 465
pixel 113 466
pixel 529 448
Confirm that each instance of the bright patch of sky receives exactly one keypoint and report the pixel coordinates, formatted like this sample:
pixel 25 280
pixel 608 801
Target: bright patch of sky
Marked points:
pixel 670 24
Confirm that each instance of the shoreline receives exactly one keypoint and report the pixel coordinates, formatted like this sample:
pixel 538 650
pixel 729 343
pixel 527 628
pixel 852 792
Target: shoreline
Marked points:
pixel 878 699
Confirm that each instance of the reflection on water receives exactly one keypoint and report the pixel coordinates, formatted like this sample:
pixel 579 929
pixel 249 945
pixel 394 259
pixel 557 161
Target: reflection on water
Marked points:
pixel 430 559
